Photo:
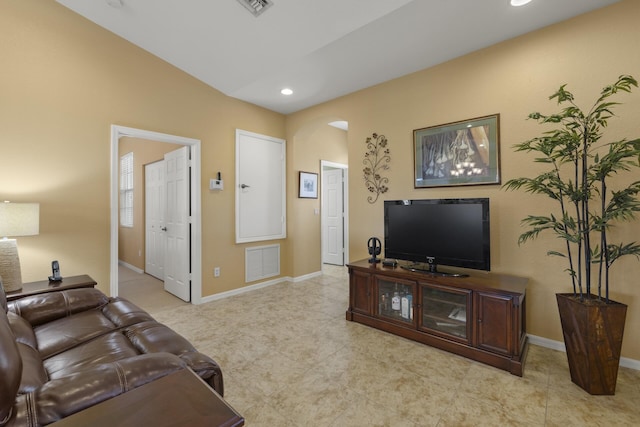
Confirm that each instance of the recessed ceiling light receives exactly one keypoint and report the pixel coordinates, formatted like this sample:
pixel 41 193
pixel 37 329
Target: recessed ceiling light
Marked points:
pixel 519 2
pixel 286 91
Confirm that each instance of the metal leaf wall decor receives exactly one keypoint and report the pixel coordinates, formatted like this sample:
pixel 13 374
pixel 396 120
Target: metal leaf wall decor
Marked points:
pixel 376 160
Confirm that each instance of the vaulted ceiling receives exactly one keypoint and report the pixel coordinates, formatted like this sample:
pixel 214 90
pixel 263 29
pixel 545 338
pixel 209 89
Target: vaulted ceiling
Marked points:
pixel 321 49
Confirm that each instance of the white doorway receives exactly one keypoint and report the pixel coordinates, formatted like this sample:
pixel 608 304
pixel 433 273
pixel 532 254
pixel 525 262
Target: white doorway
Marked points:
pixel 194 248
pixel 334 220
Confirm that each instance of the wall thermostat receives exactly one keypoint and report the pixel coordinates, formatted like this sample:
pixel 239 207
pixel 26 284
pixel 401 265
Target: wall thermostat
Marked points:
pixel 215 184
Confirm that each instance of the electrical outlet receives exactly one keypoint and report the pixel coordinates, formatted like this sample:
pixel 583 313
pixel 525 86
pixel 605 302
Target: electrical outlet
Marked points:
pixel 216 272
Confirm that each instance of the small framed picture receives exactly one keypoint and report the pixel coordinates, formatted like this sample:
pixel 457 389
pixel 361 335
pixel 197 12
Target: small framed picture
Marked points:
pixel 308 185
pixel 460 153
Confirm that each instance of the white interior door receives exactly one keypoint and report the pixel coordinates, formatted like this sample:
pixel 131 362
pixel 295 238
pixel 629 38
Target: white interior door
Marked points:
pixel 333 217
pixel 154 219
pixel 176 261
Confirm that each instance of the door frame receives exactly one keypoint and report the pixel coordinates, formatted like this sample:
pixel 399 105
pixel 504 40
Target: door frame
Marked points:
pixel 345 206
pixel 118 132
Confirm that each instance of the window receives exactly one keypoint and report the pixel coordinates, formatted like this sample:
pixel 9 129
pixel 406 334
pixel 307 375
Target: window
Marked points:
pixel 126 190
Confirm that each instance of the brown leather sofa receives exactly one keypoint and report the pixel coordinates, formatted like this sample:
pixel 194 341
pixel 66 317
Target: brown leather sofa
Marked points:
pixel 64 351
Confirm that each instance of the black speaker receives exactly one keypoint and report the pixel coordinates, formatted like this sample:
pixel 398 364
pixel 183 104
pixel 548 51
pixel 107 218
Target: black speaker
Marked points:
pixel 375 247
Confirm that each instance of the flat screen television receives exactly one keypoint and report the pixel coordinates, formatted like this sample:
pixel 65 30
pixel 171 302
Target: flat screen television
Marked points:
pixel 432 232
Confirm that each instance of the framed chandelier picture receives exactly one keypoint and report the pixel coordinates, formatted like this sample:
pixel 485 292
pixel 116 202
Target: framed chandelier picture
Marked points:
pixel 459 153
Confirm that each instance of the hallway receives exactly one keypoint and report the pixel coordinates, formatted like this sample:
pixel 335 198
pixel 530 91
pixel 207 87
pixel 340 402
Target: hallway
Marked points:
pixel 145 291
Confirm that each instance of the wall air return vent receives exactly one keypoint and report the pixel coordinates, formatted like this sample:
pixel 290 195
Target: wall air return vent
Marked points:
pixel 256 7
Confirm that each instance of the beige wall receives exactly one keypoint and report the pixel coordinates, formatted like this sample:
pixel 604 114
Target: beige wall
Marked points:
pixel 131 240
pixel 64 81
pixel 315 142
pixel 513 79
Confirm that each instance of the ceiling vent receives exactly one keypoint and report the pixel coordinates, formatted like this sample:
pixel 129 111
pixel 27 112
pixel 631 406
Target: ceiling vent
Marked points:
pixel 256 7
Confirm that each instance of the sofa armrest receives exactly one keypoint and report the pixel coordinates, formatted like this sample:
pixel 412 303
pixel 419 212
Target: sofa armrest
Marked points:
pixel 206 368
pixel 152 337
pixel 10 368
pixel 64 396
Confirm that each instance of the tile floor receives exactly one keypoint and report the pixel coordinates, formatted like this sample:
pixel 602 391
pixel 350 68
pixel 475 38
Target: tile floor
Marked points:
pixel 290 358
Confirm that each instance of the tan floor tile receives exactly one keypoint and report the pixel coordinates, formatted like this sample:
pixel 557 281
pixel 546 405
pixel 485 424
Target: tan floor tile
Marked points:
pixel 472 412
pixel 265 415
pixel 364 413
pixel 313 399
pixel 289 358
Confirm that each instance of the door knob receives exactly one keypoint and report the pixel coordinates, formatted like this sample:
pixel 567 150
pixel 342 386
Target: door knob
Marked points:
pixel 244 186
pixel 163 228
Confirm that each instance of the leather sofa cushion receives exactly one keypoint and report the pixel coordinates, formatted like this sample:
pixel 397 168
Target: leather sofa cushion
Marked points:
pixel 107 348
pixel 33 373
pixel 151 337
pixel 43 308
pixel 65 333
pixel 22 330
pixel 123 313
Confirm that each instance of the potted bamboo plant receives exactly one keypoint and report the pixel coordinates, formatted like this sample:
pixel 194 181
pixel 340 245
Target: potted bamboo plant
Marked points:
pixel 580 164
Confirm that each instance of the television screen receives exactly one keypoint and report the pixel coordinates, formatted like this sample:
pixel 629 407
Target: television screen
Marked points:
pixel 452 232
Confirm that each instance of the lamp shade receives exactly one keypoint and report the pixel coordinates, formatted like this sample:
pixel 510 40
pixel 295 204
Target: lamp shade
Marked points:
pixel 19 219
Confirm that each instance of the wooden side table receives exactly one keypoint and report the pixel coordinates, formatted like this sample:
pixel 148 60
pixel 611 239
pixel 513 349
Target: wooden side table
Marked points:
pixel 44 286
pixel 179 399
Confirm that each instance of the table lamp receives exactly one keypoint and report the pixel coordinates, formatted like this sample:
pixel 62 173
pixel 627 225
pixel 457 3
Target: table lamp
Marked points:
pixel 16 219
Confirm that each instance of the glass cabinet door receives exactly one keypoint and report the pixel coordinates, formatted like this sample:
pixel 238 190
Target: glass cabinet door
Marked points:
pixel 446 311
pixel 395 299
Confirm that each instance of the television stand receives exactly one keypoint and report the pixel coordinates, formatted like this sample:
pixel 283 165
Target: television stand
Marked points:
pixel 431 269
pixel 481 316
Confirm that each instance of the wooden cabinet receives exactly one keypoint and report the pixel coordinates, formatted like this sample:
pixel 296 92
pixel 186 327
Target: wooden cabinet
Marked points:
pixel 394 300
pixel 360 292
pixel 494 323
pixel 444 312
pixel 481 316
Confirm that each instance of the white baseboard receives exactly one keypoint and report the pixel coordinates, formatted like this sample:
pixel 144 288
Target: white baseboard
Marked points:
pixel 260 285
pixel 307 276
pixel 559 346
pixel 130 267
pixel 223 295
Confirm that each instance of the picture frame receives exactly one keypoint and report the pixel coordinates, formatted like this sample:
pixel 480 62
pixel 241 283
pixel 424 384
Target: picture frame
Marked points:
pixel 308 185
pixel 466 152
